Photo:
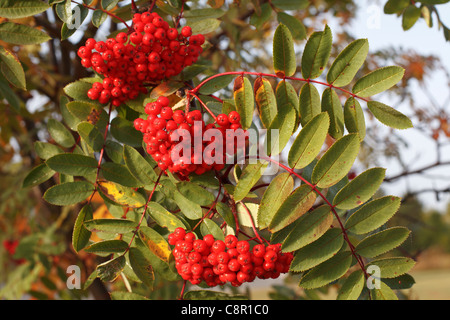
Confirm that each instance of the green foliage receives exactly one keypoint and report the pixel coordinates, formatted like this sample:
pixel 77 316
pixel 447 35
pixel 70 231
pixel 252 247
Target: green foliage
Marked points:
pixel 332 225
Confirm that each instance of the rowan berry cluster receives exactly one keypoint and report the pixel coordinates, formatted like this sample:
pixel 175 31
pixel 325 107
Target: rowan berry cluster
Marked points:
pixel 170 138
pixel 152 52
pixel 230 261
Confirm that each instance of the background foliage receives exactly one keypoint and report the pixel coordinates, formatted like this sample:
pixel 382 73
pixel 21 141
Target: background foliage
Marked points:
pixel 46 116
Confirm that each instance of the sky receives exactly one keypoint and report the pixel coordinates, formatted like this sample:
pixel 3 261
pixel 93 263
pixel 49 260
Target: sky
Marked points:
pixel 383 31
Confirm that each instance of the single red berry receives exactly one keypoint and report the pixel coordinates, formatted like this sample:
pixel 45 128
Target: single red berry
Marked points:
pixel 200 245
pixel 223 257
pixel 222 120
pixel 166 113
pixel 259 250
pixel 209 239
pixel 218 246
pixel 186 31
pixel 231 241
pixel 242 246
pixel 234 117
pixel 189 236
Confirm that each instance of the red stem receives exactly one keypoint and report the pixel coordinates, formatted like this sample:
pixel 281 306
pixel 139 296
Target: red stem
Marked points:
pixel 145 210
pixel 204 106
pixel 259 74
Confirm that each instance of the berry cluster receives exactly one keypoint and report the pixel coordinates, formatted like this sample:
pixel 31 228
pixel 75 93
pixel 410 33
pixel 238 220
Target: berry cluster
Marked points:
pixel 218 262
pixel 152 52
pixel 165 129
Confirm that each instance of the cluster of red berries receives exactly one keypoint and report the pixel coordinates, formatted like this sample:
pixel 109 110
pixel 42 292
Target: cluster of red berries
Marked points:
pixel 230 261
pixel 182 144
pixel 152 52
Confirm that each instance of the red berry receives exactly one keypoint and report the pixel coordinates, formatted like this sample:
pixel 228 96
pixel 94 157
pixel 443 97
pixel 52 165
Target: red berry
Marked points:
pixel 242 246
pixel 234 117
pixel 186 31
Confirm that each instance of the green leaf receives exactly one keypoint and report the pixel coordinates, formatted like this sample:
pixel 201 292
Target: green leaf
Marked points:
pixel 13 9
pixel 225 212
pixel 410 17
pixel 247 214
pixel 243 97
pixel 382 242
pixel 259 18
pixel 189 208
pixel 163 217
pixel 383 293
pixel 360 189
pixel 297 204
pixel 373 214
pixel 296 27
pixel 107 247
pixel 308 228
pixel 318 251
pixel 265 101
pixel 46 150
pixel 60 133
pixel 332 105
pixel 354 118
pixel 110 270
pixel 37 175
pixel 98 17
pixel 276 193
pixel 210 227
pixel 215 84
pixel 78 89
pixel 393 267
pixel 309 142
pixel 291 4
pixel 378 81
pixel 120 174
pixel 195 192
pixel 201 14
pixel 109 4
pixel 327 271
pixel 155 242
pixel 69 193
pixel 402 282
pixel 347 63
pixel 389 116
pixel 396 6
pixel 72 164
pixel 83 110
pixel 309 103
pixel 111 225
pixel 124 131
pixel 249 177
pixel 81 235
pixel 91 135
pixel 139 166
pixel 12 68
pixel 284 62
pixel 316 54
pixel 21 34
pixel 352 286
pixel 336 162
pixel 141 264
pixel 121 195
pixel 285 121
pixel 205 26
